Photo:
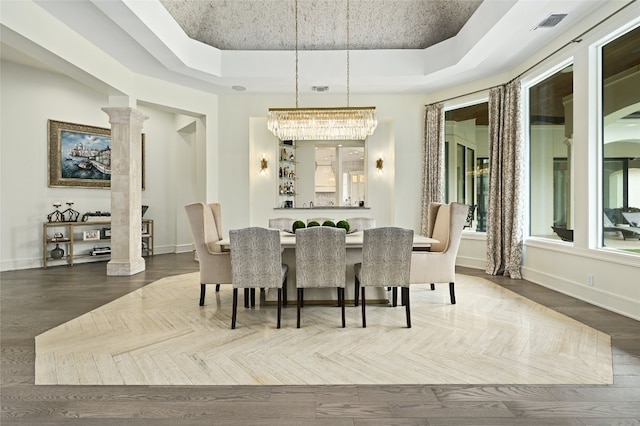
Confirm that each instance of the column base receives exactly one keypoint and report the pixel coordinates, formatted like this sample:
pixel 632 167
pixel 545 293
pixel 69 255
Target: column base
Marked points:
pixel 115 268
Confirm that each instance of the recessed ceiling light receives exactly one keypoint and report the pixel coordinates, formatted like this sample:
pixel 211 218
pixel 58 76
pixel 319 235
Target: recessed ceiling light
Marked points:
pixel 239 88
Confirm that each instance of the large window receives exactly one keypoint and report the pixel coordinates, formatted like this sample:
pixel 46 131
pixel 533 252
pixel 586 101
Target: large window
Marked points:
pixel 466 160
pixel 551 137
pixel 621 143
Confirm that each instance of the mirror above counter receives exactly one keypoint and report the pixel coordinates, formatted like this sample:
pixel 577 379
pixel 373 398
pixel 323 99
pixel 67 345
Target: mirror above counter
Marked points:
pixel 322 174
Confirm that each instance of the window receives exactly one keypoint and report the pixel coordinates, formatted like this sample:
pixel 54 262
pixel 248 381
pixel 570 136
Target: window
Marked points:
pixel 621 143
pixel 551 137
pixel 467 159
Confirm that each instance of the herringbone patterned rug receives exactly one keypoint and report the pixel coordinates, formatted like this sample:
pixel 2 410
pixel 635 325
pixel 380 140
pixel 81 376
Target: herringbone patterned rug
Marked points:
pixel 158 335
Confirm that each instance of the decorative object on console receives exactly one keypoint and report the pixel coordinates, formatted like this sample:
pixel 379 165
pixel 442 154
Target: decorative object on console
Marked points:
pixel 91 235
pixel 56 215
pixel 70 215
pixel 96 216
pixel 105 233
pixel 57 252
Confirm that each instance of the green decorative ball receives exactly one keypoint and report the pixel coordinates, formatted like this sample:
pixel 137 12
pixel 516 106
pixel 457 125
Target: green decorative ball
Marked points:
pixel 343 224
pixel 312 223
pixel 298 224
pixel 328 223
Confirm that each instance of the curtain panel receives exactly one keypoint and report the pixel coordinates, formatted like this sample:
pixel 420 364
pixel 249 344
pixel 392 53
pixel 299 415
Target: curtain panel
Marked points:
pixel 432 161
pixel 506 185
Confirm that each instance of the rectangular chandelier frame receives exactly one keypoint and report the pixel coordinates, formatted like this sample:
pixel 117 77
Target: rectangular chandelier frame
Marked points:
pixel 341 123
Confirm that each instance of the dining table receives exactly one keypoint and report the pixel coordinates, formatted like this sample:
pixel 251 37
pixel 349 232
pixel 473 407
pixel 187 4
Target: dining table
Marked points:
pixel 354 243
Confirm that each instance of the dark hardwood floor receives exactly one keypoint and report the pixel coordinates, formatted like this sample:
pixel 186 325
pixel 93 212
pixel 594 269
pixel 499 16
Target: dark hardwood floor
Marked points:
pixel 36 300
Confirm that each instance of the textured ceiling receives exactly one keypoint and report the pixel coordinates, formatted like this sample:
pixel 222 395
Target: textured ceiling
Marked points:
pixel 270 24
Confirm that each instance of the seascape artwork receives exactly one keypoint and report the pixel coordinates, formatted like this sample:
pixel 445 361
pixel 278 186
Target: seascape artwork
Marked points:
pixel 85 156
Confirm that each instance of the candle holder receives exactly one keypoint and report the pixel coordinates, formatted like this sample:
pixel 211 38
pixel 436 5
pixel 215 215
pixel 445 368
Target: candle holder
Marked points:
pixel 70 215
pixel 56 215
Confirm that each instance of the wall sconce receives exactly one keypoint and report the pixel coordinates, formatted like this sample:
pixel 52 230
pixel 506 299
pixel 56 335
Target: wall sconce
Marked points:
pixel 263 165
pixel 379 165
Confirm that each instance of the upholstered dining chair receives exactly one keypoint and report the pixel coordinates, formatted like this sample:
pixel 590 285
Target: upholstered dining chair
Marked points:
pixel 321 262
pixel 205 221
pixel 438 265
pixel 256 262
pixel 282 223
pixel 361 223
pixel 386 262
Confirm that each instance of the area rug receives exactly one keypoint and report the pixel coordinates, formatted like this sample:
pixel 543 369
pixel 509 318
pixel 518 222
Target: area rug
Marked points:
pixel 158 335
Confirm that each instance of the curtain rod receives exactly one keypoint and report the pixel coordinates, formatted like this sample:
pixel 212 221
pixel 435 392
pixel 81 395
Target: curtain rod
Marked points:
pixel 576 39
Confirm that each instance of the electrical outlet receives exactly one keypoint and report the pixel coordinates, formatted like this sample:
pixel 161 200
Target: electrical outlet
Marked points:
pixel 590 280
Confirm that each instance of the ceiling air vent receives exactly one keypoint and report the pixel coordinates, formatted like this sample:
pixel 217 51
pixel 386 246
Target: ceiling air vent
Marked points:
pixel 551 21
pixel 320 88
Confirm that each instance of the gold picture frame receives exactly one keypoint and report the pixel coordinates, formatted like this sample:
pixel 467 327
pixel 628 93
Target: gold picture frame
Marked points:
pixel 80 156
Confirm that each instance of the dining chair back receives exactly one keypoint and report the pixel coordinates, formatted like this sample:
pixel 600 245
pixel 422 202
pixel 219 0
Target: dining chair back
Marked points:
pixel 282 223
pixel 361 223
pixel 386 262
pixel 320 262
pixel 446 222
pixel 205 221
pixel 256 262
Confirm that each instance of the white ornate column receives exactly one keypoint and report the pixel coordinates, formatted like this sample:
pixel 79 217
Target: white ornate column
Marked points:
pixel 126 188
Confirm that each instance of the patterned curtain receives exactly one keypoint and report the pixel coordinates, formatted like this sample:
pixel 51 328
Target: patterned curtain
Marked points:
pixel 506 187
pixel 432 161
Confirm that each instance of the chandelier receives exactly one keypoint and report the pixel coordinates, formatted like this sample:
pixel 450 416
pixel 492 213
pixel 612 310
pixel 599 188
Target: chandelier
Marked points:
pixel 340 123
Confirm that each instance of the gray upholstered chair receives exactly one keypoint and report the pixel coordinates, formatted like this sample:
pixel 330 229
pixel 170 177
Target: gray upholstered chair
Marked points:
pixel 206 227
pixel 361 223
pixel 256 262
pixel 438 265
pixel 320 262
pixel 386 262
pixel 282 223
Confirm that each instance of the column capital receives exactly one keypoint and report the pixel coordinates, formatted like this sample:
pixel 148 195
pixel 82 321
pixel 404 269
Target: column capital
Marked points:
pixel 124 115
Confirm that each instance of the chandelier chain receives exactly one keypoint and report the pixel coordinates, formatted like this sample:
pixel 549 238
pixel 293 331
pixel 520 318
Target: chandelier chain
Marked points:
pixel 296 27
pixel 348 70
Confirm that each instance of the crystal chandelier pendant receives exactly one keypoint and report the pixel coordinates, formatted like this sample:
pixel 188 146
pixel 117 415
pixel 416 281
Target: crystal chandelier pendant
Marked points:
pixel 350 123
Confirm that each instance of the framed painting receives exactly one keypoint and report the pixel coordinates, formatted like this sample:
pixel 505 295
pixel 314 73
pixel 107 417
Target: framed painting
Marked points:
pixel 80 156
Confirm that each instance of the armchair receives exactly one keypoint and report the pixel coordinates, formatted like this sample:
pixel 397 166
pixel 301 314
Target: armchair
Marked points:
pixel 206 227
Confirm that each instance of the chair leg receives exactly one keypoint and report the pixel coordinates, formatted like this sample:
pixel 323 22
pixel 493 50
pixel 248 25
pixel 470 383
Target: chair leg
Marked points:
pixel 300 292
pixel 246 297
pixel 203 290
pixel 394 296
pixel 341 298
pixel 217 288
pixel 452 293
pixel 279 306
pixel 356 291
pixel 433 286
pixel 284 292
pixel 405 297
pixel 364 314
pixel 302 298
pixel 235 308
pixel 253 297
